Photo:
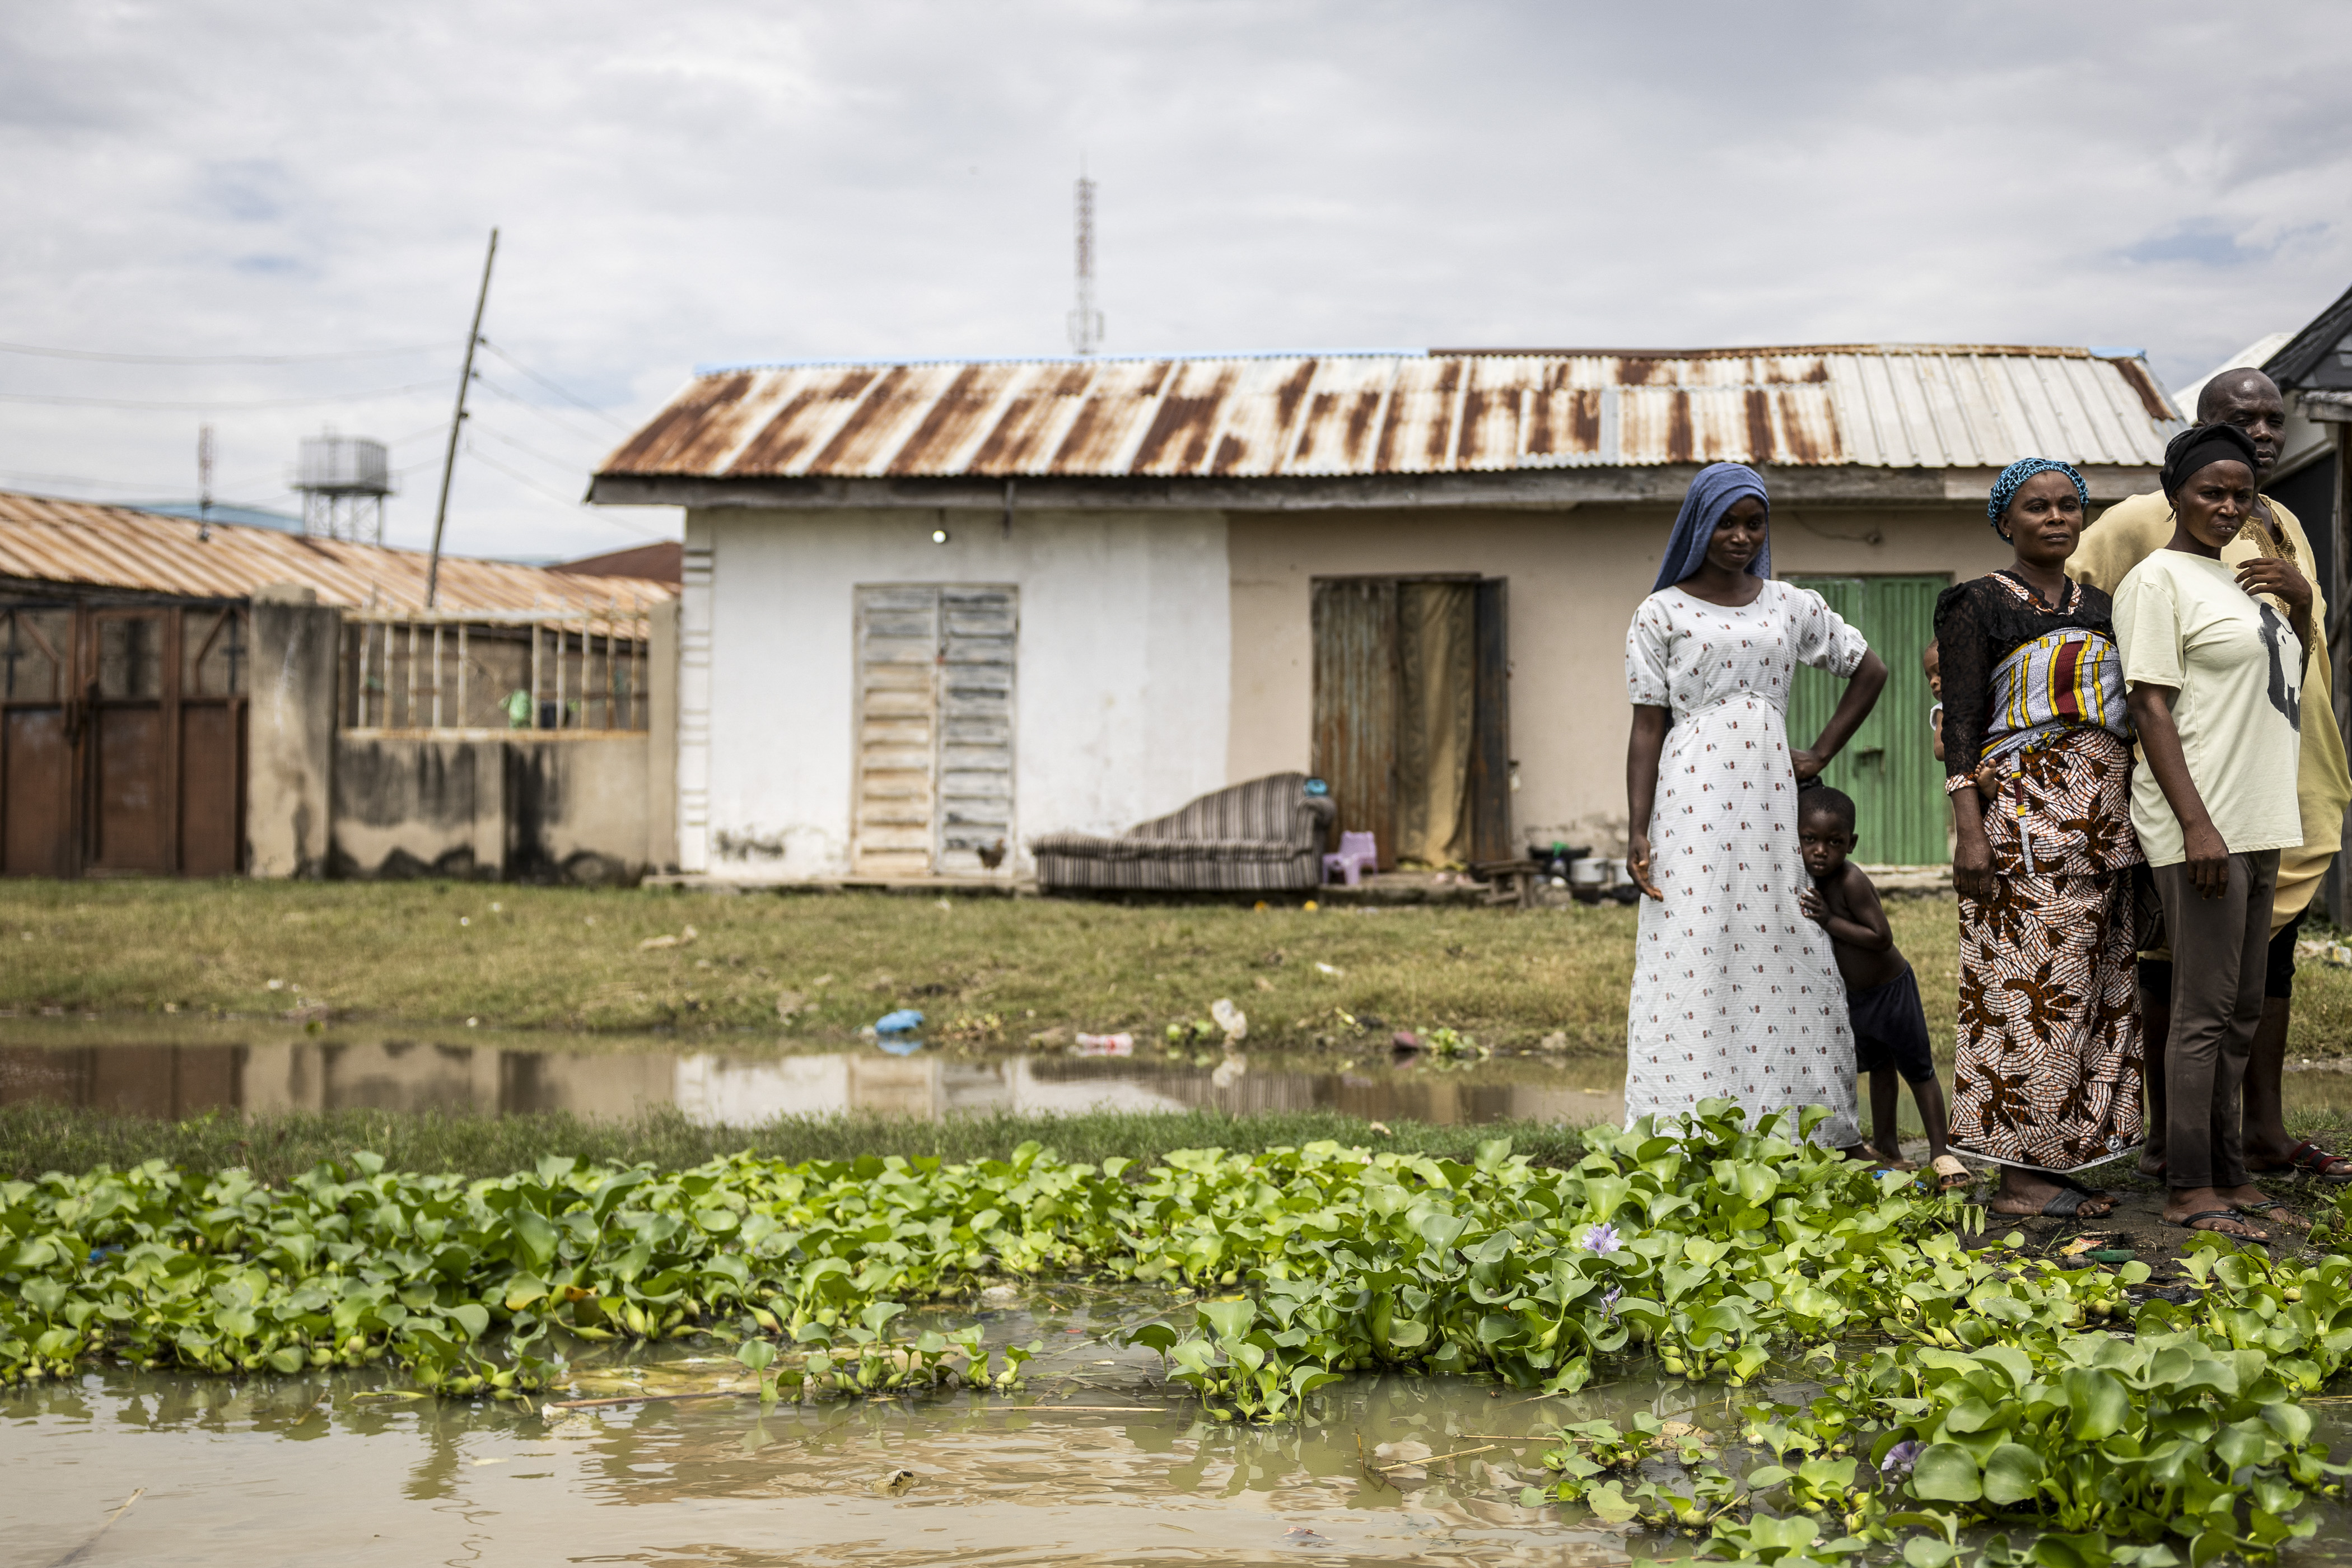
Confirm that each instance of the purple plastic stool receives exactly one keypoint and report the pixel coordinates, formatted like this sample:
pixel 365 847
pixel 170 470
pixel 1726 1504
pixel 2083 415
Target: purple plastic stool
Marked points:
pixel 1357 854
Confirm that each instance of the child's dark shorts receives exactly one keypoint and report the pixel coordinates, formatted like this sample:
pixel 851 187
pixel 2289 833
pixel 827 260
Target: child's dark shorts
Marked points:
pixel 1890 1029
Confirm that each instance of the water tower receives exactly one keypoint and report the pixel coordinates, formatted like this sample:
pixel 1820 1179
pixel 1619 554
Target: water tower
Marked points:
pixel 344 480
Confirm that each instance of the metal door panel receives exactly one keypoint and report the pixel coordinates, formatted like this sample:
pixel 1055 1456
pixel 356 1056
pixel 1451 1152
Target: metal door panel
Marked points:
pixel 210 821
pixel 1490 756
pixel 37 836
pixel 127 790
pixel 1889 767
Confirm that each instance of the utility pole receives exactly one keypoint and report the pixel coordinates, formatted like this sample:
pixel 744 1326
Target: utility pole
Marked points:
pixel 456 423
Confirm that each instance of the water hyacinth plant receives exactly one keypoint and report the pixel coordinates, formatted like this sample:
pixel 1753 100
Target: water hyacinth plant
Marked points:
pixel 1713 1252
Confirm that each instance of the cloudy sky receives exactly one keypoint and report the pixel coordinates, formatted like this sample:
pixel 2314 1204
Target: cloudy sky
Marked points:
pixel 700 182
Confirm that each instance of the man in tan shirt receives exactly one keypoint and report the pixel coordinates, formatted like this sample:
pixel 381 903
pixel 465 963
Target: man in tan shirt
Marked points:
pixel 2122 536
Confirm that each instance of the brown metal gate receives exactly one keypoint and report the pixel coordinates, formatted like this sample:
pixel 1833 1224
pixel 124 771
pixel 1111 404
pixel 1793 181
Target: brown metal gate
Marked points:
pixel 123 738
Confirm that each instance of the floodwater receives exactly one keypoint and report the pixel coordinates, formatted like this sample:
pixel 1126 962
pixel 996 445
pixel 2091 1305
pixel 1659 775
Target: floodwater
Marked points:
pixel 1096 1461
pixel 174 1071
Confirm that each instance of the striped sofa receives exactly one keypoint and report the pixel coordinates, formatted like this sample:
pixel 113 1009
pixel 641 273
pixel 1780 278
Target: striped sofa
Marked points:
pixel 1264 834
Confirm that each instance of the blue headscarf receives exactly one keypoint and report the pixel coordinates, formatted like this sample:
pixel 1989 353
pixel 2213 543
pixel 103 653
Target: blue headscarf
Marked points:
pixel 2004 489
pixel 1711 494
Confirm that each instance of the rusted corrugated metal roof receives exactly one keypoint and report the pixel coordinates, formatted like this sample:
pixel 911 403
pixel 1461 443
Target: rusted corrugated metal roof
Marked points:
pixel 1876 405
pixel 94 545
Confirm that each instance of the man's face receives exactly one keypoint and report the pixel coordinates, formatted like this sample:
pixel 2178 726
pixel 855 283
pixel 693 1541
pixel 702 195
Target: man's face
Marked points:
pixel 2254 405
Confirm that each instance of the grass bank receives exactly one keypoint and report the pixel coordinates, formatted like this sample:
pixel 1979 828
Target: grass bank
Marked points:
pixel 988 971
pixel 38 1139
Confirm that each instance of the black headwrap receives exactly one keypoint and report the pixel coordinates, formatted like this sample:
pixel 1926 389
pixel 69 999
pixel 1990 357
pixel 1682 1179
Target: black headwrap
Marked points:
pixel 2200 446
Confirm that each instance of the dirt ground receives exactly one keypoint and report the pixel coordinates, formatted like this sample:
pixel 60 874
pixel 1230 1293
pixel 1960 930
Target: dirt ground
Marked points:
pixel 2136 1221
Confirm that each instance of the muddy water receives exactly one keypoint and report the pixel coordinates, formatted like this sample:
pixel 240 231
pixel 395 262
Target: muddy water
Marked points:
pixel 1097 1462
pixel 182 1070
pixel 1106 1469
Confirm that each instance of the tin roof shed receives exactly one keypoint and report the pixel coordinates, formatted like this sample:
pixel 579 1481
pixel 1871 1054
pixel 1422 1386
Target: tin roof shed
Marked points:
pixel 1464 426
pixel 88 545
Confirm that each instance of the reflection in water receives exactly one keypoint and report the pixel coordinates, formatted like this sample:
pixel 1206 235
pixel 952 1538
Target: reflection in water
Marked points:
pixel 746 1088
pixel 240 1473
pixel 270 1470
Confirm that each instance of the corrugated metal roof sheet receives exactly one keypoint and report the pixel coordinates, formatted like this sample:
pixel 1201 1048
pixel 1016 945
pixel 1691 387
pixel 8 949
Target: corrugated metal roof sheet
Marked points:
pixel 1882 405
pixel 95 545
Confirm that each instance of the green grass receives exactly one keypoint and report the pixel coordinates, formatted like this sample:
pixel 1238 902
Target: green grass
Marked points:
pixel 38 1139
pixel 987 969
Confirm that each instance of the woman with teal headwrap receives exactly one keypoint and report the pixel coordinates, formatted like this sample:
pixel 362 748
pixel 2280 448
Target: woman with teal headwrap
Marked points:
pixel 1735 992
pixel 2037 754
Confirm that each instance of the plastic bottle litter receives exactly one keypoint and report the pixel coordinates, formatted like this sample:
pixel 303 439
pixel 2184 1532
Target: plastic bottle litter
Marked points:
pixel 1119 1044
pixel 1229 1018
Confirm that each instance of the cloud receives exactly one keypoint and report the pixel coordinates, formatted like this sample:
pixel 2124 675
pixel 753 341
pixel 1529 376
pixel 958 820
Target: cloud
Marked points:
pixel 2209 242
pixel 718 180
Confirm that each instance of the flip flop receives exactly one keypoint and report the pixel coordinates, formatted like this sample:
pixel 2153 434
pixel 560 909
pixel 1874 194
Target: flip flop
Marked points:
pixel 2192 1223
pixel 2066 1181
pixel 1951 1175
pixel 2067 1202
pixel 2309 1159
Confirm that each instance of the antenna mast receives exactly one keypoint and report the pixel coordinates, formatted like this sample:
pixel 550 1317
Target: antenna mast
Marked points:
pixel 204 481
pixel 1085 322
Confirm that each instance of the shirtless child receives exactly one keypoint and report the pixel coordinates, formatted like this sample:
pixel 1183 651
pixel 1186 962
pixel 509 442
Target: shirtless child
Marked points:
pixel 1890 1027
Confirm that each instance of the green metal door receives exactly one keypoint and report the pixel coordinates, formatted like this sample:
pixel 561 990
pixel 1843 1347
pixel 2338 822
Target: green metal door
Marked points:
pixel 1889 767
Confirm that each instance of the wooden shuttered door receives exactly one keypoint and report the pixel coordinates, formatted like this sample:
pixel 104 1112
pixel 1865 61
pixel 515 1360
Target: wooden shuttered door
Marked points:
pixel 1889 767
pixel 935 694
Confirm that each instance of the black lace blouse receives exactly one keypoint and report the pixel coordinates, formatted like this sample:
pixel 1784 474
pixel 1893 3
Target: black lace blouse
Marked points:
pixel 1981 621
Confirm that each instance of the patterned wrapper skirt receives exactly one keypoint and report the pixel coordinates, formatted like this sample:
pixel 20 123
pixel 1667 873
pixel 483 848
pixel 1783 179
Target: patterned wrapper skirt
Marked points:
pixel 2048 1069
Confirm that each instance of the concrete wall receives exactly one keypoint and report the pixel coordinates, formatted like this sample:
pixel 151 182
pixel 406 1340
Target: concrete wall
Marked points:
pixel 661 739
pixel 529 808
pixel 1124 671
pixel 1575 578
pixel 290 734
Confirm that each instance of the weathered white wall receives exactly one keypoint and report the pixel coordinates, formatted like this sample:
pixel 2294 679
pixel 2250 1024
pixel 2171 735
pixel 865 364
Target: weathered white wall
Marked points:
pixel 1575 578
pixel 1123 670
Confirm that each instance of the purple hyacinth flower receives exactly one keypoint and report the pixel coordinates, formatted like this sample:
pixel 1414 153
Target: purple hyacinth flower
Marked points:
pixel 1900 1459
pixel 1601 1237
pixel 1609 1300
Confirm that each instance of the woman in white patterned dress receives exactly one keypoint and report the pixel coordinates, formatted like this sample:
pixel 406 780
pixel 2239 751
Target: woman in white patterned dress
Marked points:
pixel 1735 994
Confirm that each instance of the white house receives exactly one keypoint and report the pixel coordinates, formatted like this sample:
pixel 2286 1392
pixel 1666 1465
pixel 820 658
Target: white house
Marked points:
pixel 932 610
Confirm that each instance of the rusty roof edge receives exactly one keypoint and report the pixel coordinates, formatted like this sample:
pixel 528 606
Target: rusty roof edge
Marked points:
pixel 1433 490
pixel 2042 350
pixel 738 367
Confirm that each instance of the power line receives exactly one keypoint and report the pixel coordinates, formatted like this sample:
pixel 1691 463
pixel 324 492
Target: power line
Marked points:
pixel 186 408
pixel 567 396
pixel 526 404
pixel 567 464
pixel 524 480
pixel 218 359
pixel 576 504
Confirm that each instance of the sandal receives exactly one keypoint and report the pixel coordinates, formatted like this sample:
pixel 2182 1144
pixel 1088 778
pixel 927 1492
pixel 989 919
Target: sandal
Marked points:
pixel 2309 1159
pixel 2279 1215
pixel 2066 1204
pixel 1952 1176
pixel 2227 1217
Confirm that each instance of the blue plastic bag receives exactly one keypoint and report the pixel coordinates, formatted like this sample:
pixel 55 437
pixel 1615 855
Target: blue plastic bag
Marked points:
pixel 904 1021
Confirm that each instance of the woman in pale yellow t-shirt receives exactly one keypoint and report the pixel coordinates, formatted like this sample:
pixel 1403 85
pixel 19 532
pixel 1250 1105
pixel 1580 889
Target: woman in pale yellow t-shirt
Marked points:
pixel 2216 679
